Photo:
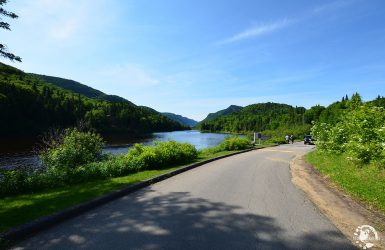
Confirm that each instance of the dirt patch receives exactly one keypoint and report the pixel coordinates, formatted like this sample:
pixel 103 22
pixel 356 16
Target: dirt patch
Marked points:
pixel 346 213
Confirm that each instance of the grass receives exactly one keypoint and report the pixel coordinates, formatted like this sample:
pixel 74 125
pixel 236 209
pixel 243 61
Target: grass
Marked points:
pixel 365 183
pixel 24 208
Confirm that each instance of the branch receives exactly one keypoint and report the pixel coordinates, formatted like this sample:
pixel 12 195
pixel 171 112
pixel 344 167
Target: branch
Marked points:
pixel 4 53
pixel 5 25
pixel 7 13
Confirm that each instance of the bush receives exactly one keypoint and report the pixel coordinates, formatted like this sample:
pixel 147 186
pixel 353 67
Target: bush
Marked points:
pixel 235 143
pixel 72 149
pixel 360 134
pixel 160 155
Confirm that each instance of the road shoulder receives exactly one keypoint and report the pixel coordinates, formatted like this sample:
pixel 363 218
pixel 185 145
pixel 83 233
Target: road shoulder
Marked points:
pixel 345 213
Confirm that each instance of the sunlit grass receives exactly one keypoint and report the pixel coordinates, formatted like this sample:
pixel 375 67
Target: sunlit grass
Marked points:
pixel 365 183
pixel 23 208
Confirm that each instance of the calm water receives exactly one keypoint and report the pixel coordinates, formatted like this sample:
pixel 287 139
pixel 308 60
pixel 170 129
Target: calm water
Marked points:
pixel 27 159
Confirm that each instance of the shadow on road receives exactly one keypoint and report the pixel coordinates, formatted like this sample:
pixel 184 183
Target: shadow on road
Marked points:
pixel 176 221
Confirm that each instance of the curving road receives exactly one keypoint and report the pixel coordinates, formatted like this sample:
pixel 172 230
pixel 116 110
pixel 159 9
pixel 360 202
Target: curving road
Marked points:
pixel 242 202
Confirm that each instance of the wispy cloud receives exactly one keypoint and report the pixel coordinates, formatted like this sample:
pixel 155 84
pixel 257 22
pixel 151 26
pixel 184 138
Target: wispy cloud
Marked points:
pixel 332 6
pixel 257 30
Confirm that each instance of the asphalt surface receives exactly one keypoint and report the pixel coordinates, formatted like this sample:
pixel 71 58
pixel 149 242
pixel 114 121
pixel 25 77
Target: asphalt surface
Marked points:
pixel 242 202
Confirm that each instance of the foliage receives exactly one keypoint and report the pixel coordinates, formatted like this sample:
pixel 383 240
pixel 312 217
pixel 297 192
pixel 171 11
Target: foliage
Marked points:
pixel 161 154
pixel 313 114
pixel 378 102
pixel 3 25
pixel 67 166
pixel 360 133
pixel 235 143
pixel 32 106
pixel 72 149
pixel 334 112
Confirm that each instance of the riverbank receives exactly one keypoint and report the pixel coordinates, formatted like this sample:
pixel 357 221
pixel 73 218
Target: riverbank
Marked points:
pixel 24 208
pixel 19 153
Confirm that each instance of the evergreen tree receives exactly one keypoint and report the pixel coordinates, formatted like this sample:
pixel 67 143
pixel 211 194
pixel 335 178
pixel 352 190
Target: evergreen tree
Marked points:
pixel 3 48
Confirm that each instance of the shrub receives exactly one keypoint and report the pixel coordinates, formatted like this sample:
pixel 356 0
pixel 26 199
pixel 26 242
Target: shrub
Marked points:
pixel 72 149
pixel 235 143
pixel 160 155
pixel 360 134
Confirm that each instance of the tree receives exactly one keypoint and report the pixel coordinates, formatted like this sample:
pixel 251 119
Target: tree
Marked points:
pixel 3 48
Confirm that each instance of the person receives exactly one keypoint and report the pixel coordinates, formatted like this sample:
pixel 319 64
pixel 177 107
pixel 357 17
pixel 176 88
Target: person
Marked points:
pixel 287 138
pixel 292 139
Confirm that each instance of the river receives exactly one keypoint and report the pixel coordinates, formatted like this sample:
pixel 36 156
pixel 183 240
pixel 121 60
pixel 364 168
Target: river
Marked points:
pixel 26 158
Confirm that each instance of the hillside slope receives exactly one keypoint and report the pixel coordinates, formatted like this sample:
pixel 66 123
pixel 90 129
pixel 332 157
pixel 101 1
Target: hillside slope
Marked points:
pixel 256 117
pixel 230 110
pixel 80 88
pixel 30 106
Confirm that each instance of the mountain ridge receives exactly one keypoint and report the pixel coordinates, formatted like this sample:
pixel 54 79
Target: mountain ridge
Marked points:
pixel 230 110
pixel 81 88
pixel 181 119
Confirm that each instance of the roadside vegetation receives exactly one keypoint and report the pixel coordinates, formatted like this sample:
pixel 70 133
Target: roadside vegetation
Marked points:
pixel 351 150
pixel 75 170
pixel 364 182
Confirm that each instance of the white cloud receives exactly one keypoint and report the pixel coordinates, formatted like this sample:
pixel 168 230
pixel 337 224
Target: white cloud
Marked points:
pixel 257 30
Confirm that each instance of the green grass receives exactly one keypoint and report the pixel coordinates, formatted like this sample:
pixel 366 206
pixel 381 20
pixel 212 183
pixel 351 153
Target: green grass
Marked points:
pixel 24 208
pixel 365 183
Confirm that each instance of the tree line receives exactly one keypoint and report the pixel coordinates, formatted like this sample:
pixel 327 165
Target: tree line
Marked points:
pixel 282 117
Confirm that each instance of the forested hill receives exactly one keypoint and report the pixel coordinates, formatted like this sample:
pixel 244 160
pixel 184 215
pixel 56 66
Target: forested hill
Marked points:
pixel 181 119
pixel 80 88
pixel 30 106
pixel 257 117
pixel 283 118
pixel 230 110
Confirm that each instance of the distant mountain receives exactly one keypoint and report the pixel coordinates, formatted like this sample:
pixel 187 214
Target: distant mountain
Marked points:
pixel 181 119
pixel 230 110
pixel 80 88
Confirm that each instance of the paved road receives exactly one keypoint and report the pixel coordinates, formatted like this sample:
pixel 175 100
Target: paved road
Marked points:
pixel 243 202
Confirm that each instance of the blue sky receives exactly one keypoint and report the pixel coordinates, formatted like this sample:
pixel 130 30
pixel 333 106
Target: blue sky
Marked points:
pixel 193 57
